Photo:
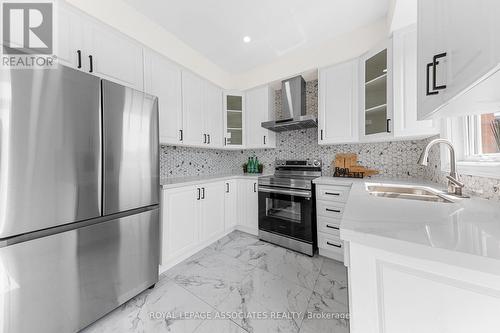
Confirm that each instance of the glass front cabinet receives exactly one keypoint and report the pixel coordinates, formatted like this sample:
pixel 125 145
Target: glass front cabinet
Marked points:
pixel 376 90
pixel 234 105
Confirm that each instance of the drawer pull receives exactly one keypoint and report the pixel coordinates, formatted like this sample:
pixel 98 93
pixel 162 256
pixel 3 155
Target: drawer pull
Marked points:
pixel 333 210
pixel 332 227
pixel 332 193
pixel 331 244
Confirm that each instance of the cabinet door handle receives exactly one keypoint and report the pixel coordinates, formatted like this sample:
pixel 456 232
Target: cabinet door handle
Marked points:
pixel 388 126
pixel 427 86
pixel 255 187
pixel 79 53
pixel 435 62
pixel 182 135
pixel 321 134
pixel 264 139
pixel 204 138
pixel 225 141
pixel 336 245
pixel 202 193
pixel 332 193
pixel 199 194
pixel 332 227
pixel 208 136
pixel 91 60
pixel 227 187
pixel 333 210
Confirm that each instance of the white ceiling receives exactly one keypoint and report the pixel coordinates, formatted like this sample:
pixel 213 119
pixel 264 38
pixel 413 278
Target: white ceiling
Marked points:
pixel 277 27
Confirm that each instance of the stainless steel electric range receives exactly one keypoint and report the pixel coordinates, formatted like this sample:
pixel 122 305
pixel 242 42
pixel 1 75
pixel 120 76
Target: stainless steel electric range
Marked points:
pixel 287 205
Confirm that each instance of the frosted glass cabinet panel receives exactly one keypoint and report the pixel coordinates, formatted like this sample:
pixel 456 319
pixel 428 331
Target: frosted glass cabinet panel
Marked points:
pixel 233 120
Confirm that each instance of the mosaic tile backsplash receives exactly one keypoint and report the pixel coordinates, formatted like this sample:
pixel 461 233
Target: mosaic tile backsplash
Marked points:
pixel 396 159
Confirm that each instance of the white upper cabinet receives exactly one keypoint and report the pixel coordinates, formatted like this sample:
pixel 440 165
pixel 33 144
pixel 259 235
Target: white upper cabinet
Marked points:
pixel 192 105
pixel 458 48
pixel 376 93
pixel 163 78
pixel 70 43
pixel 338 103
pixel 259 108
pixel 234 119
pixel 404 71
pixel 94 47
pixel 213 116
pixel 115 57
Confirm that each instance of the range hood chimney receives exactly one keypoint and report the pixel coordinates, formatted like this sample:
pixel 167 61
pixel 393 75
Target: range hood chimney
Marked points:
pixel 293 100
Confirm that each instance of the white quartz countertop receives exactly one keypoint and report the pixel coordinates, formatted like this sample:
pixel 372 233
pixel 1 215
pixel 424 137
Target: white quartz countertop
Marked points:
pixel 174 182
pixel 440 231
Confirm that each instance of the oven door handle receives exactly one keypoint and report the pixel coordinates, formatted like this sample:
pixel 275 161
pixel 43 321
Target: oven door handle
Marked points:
pixel 304 194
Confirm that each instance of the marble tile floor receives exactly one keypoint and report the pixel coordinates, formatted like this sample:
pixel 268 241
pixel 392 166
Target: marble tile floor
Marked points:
pixel 239 284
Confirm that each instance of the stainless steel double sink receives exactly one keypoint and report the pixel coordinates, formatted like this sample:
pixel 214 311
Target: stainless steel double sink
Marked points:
pixel 411 192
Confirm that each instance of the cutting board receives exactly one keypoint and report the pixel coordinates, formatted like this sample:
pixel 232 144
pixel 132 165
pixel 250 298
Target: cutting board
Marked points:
pixel 350 161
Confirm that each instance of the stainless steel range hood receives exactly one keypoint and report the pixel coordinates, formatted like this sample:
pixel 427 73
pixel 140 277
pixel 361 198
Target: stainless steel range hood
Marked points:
pixel 293 100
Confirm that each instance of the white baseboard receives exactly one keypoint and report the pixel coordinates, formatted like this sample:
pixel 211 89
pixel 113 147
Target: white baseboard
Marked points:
pixel 188 253
pixel 249 230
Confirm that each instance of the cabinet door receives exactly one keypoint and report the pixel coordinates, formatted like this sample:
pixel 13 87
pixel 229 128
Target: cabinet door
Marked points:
pixel 234 126
pixel 212 210
pixel 213 115
pixel 472 37
pixel 180 216
pixel 163 79
pixel 248 205
pixel 192 106
pixel 258 109
pixel 431 41
pixel 114 56
pixel 70 45
pixel 230 204
pixel 338 103
pixel 404 71
pixel 376 94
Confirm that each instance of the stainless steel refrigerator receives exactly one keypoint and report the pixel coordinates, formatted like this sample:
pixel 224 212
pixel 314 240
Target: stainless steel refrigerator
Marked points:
pixel 79 206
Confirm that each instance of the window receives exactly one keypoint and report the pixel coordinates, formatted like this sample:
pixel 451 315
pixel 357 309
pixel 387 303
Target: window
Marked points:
pixel 482 137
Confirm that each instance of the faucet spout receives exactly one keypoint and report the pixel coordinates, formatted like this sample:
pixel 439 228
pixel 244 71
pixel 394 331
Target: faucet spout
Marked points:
pixel 454 184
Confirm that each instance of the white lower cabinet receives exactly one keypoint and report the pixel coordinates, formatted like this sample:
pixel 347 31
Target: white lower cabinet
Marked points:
pixel 230 204
pixel 248 206
pixel 194 216
pixel 330 203
pixel 393 292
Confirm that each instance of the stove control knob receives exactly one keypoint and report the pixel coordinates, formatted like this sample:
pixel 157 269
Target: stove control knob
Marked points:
pixel 316 163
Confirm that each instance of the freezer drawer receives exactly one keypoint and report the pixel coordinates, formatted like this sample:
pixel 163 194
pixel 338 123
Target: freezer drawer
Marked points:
pixel 131 165
pixel 50 149
pixel 64 282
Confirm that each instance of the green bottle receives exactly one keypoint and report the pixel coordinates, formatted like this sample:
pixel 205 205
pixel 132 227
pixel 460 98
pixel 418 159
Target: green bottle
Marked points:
pixel 256 165
pixel 249 165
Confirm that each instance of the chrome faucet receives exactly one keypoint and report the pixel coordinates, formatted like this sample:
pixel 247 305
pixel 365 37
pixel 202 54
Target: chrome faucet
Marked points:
pixel 455 186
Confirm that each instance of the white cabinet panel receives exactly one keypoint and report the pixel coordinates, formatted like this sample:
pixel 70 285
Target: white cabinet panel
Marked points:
pixel 248 205
pixel 338 103
pixel 162 78
pixel 70 44
pixel 230 204
pixel 180 216
pixel 115 56
pixel 212 210
pixel 259 108
pixel 213 116
pixel 404 68
pixel 192 106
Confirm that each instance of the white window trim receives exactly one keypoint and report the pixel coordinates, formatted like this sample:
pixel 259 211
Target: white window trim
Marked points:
pixel 454 129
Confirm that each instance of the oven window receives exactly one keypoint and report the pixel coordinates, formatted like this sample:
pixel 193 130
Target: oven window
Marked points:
pixel 283 209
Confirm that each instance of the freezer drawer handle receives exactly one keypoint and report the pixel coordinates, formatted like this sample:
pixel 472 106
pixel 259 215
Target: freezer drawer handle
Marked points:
pixel 332 227
pixel 333 210
pixel 332 193
pixel 336 245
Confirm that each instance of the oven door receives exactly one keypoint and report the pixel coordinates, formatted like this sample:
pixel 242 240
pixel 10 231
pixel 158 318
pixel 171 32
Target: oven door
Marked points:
pixel 287 212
